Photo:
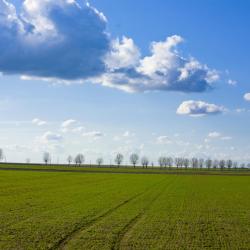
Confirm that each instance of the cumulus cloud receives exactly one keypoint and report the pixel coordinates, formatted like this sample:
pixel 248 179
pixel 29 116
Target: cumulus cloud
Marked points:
pixel 226 138
pixel 49 141
pixel 63 39
pixel 93 134
pixel 163 140
pixel 124 54
pixel 66 40
pixel 232 82
pixel 68 123
pixel 128 134
pixel 199 108
pixel 50 137
pixel 214 134
pixel 38 122
pixel 78 129
pixel 165 69
pixel 66 126
pixel 247 97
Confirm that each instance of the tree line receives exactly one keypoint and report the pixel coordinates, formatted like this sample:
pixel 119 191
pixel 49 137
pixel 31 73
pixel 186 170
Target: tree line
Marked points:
pixel 163 162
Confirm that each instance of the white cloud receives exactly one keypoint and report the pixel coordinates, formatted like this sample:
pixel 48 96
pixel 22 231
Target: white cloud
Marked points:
pixel 66 126
pixel 50 137
pixel 163 57
pixel 78 129
pixel 68 123
pixel 232 82
pixel 163 140
pixel 247 97
pixel 124 54
pixel 226 138
pixel 217 135
pixel 63 39
pixel 70 126
pixel 93 134
pixel 49 141
pixel 128 134
pixel 67 41
pixel 214 134
pixel 199 108
pixel 39 122
pixel 165 69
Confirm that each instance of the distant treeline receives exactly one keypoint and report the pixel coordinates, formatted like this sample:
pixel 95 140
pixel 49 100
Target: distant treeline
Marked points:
pixel 163 162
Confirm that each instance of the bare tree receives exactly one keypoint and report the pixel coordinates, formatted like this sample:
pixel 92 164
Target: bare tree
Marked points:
pixel 208 163
pixel 1 155
pixel 134 158
pixel 69 159
pixel 182 162
pixel 46 158
pixel 144 162
pixel 248 165
pixel 186 162
pixel 229 164
pixel 119 159
pixel 79 159
pixel 242 165
pixel 99 161
pixel 235 165
pixel 222 164
pixel 194 162
pixel 165 162
pixel 215 164
pixel 28 160
pixel 178 162
pixel 170 162
pixel 161 161
pixel 201 163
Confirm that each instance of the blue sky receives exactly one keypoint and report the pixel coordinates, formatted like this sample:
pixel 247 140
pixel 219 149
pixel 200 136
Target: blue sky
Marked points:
pixel 153 77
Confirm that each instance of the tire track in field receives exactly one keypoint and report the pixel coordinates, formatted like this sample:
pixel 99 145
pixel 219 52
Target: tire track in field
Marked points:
pixel 61 244
pixel 132 223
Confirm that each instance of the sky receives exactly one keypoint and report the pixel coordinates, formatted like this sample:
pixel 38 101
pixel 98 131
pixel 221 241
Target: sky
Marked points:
pixel 100 77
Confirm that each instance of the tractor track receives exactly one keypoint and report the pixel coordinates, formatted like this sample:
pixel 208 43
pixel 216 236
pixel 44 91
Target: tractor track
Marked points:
pixel 61 244
pixel 132 223
pixel 68 237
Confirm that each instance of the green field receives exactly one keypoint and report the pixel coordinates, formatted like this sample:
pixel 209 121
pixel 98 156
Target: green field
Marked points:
pixel 70 210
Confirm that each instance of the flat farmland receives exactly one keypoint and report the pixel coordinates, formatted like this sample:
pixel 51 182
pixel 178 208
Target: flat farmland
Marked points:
pixel 67 210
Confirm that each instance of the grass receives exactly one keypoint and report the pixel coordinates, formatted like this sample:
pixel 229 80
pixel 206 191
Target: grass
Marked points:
pixel 70 210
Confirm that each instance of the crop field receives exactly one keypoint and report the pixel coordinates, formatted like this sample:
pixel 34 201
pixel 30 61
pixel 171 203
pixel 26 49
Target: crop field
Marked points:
pixel 71 210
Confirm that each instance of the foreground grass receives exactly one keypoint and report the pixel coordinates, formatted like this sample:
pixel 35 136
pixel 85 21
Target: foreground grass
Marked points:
pixel 40 210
